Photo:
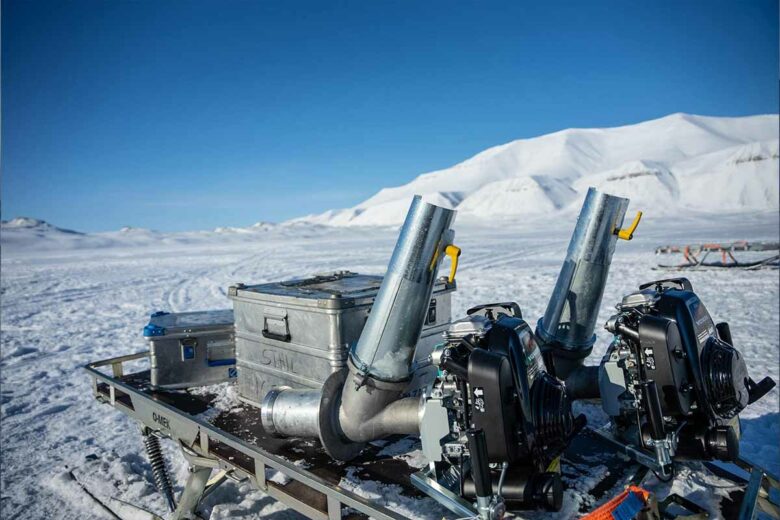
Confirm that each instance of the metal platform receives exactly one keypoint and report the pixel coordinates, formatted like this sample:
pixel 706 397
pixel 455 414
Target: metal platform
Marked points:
pixel 234 444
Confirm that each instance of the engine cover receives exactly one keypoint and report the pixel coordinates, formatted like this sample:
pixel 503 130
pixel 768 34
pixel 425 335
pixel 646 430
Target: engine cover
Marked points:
pixel 492 399
pixel 665 363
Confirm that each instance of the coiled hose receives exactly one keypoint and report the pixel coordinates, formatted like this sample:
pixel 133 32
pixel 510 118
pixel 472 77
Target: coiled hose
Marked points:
pixel 159 471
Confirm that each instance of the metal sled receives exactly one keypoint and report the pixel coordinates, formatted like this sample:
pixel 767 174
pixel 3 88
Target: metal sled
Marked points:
pixel 234 445
pixel 695 255
pixel 237 445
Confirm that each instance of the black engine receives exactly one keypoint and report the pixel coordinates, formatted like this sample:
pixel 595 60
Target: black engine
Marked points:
pixel 509 420
pixel 672 380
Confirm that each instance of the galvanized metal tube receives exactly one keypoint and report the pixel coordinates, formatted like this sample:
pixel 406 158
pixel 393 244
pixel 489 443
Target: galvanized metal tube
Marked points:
pixel 386 346
pixel 288 412
pixel 381 361
pixel 571 314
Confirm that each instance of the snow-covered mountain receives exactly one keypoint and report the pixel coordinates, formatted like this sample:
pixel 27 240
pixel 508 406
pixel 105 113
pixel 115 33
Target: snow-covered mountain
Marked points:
pixel 673 164
pixel 22 231
pixel 33 226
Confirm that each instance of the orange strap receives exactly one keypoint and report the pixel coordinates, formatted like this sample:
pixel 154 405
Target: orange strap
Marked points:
pixel 604 512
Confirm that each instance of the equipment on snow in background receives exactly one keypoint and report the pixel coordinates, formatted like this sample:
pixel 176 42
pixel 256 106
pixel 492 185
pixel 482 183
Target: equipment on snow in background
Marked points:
pixel 695 255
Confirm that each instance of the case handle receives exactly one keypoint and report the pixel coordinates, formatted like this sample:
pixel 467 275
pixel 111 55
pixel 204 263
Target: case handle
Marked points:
pixel 278 336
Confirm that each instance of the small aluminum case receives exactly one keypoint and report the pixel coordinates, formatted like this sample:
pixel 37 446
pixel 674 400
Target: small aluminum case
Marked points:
pixel 296 333
pixel 190 349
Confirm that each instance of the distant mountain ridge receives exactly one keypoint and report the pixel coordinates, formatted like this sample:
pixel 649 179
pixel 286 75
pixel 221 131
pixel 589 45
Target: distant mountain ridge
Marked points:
pixel 676 163
pixel 34 225
pixel 665 166
pixel 30 234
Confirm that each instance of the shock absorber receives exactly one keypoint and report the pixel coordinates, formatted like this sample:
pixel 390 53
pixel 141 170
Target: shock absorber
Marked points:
pixel 159 471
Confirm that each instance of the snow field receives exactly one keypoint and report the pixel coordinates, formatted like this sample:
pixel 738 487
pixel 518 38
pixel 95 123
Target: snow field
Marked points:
pixel 65 307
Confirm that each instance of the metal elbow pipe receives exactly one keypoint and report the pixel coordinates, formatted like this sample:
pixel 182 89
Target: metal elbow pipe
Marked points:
pixel 567 328
pixel 380 362
pixel 378 411
pixel 364 402
pixel 341 420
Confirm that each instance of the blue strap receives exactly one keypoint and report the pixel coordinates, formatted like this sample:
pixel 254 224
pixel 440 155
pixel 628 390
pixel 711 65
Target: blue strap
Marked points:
pixel 629 507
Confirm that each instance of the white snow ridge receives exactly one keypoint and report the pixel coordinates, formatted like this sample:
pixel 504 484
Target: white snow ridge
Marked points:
pixel 674 164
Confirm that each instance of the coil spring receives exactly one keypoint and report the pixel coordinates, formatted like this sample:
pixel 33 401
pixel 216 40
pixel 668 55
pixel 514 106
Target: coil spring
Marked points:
pixel 159 471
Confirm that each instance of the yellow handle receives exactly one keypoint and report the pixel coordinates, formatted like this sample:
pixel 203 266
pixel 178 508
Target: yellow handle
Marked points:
pixel 628 233
pixel 453 252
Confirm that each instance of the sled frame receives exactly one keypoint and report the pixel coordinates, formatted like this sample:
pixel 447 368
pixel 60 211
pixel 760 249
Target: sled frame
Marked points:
pixel 761 487
pixel 215 455
pixel 199 440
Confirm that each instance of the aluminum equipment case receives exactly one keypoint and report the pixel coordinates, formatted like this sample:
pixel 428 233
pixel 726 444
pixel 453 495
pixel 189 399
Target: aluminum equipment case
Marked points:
pixel 296 333
pixel 191 348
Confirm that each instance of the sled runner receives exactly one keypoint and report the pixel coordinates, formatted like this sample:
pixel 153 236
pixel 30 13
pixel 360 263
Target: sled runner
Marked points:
pixel 695 255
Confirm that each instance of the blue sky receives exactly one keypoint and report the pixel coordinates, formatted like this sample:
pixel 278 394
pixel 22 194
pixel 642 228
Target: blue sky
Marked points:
pixel 180 115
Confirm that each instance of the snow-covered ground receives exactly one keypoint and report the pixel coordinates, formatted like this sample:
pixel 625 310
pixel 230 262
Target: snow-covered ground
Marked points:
pixel 68 299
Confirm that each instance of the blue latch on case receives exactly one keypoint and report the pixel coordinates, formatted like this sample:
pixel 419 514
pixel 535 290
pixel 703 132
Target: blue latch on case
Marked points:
pixel 154 330
pixel 187 352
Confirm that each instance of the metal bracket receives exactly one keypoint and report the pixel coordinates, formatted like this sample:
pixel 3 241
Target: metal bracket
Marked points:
pixel 194 492
pixel 425 481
